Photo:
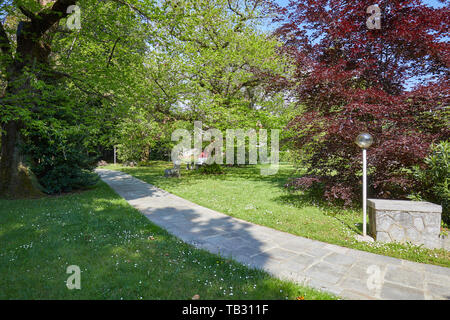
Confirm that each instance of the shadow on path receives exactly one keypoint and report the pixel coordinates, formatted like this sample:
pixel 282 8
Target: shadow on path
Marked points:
pixel 202 227
pixel 324 266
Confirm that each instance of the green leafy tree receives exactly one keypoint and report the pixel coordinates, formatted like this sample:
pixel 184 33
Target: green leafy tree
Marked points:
pixel 434 177
pixel 218 49
pixel 42 64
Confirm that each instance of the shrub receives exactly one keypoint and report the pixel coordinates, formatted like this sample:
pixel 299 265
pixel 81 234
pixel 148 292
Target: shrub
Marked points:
pixel 433 178
pixel 286 156
pixel 213 168
pixel 60 161
pixel 144 163
pixel 303 183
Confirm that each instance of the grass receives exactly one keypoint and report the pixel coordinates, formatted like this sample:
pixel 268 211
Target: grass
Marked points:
pixel 120 253
pixel 242 192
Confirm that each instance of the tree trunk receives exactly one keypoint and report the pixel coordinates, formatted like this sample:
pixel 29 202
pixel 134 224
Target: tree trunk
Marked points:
pixel 33 49
pixel 15 179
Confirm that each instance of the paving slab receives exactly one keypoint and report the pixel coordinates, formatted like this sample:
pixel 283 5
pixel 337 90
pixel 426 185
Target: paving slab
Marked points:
pixel 399 292
pixel 349 273
pixel 299 263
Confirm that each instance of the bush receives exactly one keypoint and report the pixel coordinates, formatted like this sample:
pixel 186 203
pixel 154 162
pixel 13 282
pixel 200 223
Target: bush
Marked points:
pixel 286 156
pixel 433 178
pixel 145 163
pixel 213 168
pixel 60 161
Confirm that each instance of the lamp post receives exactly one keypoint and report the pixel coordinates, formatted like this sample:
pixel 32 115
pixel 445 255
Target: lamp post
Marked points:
pixel 364 141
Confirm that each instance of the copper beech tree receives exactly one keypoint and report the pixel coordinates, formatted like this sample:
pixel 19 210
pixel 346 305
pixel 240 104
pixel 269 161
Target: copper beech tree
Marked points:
pixel 391 81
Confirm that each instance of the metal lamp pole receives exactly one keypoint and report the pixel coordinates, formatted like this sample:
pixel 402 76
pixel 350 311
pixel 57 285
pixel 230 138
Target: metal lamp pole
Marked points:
pixel 364 141
pixel 364 191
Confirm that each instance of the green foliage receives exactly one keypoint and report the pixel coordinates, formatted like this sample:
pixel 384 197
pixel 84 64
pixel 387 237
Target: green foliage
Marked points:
pixel 286 156
pixel 434 178
pixel 60 160
pixel 143 138
pixel 213 168
pixel 219 62
pixel 134 82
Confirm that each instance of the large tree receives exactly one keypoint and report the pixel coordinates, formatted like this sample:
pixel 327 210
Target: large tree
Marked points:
pixel 223 57
pixel 135 69
pixel 211 61
pixel 31 48
pixel 352 77
pixel 43 63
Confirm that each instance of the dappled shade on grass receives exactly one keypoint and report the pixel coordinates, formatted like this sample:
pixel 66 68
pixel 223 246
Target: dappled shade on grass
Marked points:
pixel 120 253
pixel 242 192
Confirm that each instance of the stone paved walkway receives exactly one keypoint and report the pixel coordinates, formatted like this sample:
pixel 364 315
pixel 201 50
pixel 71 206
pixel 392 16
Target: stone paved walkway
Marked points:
pixel 349 273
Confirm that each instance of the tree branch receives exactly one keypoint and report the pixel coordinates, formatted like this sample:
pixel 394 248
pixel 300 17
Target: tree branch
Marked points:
pixel 161 87
pixel 48 17
pixel 5 45
pixel 235 10
pixel 134 8
pixel 74 81
pixel 112 52
pixel 27 13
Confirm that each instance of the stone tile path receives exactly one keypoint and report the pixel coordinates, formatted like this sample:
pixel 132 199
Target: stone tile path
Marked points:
pixel 349 273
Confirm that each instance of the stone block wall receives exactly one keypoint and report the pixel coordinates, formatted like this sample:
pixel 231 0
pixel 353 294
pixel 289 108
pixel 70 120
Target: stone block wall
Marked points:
pixel 406 221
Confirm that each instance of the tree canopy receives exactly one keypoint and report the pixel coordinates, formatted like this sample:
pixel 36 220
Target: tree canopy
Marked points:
pixel 354 79
pixel 132 73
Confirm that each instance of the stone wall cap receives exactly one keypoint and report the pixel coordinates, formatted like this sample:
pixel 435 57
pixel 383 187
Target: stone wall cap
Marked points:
pixel 404 205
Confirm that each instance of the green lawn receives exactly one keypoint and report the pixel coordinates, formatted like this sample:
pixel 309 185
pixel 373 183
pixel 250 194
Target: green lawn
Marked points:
pixel 245 194
pixel 121 255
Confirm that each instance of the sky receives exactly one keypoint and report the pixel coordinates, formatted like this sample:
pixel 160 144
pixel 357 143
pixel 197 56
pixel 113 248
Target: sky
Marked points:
pixel 433 3
pixel 412 81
